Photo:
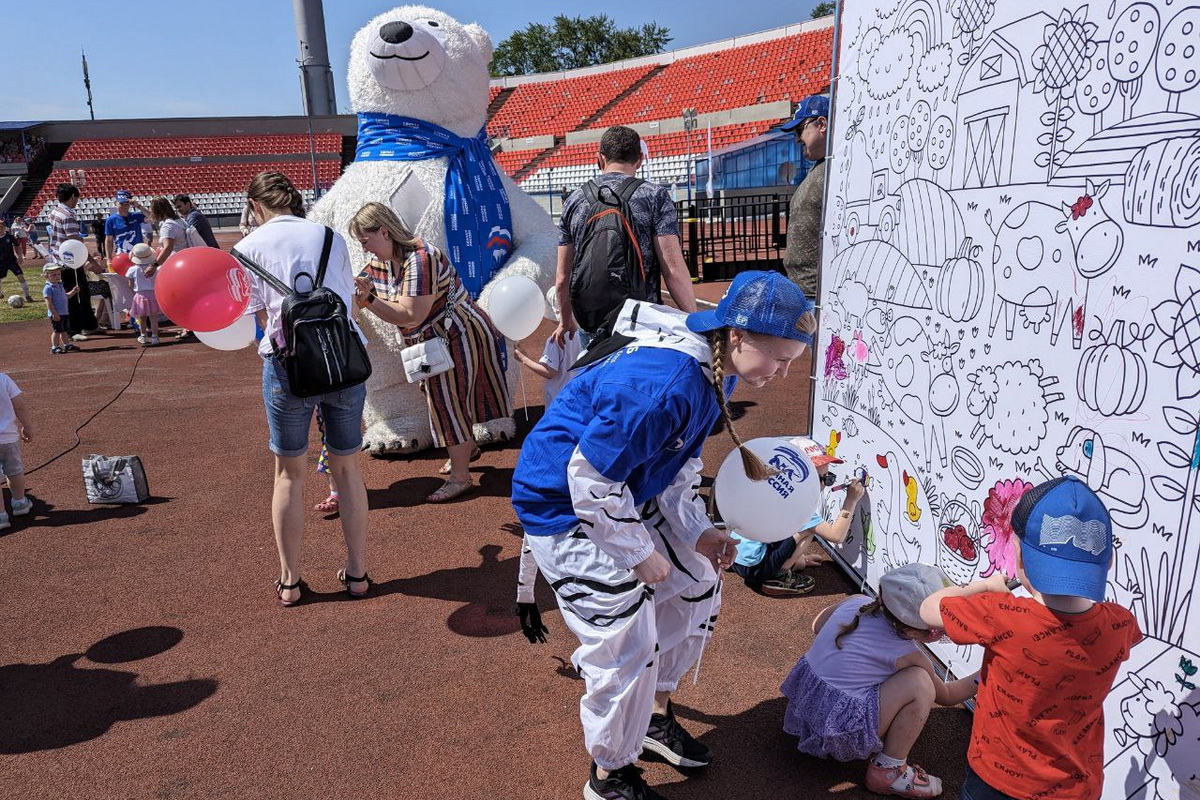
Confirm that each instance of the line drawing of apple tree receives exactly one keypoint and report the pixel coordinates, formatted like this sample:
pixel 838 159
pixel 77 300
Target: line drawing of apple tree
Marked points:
pixel 1131 46
pixel 1097 88
pixel 895 53
pixel 1062 59
pixel 1176 66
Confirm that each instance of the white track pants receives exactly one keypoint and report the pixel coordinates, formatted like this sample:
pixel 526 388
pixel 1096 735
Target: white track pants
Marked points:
pixel 634 639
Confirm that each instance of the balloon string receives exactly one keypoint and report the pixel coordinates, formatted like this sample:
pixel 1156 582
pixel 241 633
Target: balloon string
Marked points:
pixel 712 605
pixel 524 398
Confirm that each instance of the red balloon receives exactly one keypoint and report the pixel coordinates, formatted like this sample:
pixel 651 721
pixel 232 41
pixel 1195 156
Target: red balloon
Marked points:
pixel 203 288
pixel 121 263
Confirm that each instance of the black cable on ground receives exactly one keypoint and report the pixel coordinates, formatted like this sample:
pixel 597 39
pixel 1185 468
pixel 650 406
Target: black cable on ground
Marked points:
pixel 99 411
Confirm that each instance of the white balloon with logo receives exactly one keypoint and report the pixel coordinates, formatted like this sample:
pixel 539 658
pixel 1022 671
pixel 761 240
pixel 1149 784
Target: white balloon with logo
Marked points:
pixel 72 254
pixel 238 335
pixel 773 509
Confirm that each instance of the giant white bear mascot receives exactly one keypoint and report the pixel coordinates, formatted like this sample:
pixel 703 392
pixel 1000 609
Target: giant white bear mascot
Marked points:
pixel 419 83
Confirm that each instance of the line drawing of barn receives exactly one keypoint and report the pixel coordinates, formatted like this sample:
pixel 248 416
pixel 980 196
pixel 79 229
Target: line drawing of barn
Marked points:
pixel 998 113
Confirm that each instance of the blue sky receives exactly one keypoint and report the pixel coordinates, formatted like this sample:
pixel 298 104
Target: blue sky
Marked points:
pixel 237 57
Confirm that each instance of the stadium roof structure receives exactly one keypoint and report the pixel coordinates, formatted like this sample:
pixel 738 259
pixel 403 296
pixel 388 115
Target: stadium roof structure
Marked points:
pixel 18 126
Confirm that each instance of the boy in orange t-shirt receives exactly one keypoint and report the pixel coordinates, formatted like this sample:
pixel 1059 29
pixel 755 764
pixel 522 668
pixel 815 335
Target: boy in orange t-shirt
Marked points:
pixel 1049 661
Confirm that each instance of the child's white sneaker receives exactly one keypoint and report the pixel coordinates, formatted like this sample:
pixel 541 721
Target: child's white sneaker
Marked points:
pixel 142 340
pixel 153 340
pixel 906 780
pixel 22 507
pixel 4 523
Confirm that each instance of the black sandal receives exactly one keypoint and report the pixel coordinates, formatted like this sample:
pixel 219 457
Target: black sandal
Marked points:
pixel 349 579
pixel 281 587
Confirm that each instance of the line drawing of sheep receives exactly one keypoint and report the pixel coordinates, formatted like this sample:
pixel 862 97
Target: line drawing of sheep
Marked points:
pixel 1009 403
pixel 1163 728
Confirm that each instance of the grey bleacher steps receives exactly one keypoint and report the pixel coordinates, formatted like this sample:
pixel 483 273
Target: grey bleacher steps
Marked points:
pixel 529 168
pixel 494 106
pixel 639 83
pixel 38 174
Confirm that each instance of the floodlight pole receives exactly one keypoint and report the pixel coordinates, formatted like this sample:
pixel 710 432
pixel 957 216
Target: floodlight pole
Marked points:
pixel 87 84
pixel 312 145
pixel 689 125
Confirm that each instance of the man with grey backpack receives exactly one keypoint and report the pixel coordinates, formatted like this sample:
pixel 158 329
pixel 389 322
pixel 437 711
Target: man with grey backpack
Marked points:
pixel 619 237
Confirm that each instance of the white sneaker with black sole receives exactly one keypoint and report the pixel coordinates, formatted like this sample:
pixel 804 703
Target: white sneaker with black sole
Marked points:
pixel 667 739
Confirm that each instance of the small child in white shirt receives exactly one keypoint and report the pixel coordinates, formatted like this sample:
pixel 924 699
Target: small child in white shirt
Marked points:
pixel 16 426
pixel 141 279
pixel 554 367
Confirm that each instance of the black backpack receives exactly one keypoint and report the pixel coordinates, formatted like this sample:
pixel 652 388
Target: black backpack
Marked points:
pixel 322 353
pixel 608 261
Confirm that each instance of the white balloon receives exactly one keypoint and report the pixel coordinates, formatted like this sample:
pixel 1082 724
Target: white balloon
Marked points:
pixel 516 306
pixel 774 509
pixel 72 253
pixel 235 337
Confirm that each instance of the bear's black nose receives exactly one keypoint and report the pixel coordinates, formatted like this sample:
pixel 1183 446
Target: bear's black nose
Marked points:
pixel 396 32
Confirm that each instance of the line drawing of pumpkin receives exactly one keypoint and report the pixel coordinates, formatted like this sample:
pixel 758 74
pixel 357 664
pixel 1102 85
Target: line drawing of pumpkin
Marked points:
pixel 1112 378
pixel 961 284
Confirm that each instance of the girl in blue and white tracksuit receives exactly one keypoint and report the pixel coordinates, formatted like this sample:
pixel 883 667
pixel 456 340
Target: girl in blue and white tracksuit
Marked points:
pixel 606 488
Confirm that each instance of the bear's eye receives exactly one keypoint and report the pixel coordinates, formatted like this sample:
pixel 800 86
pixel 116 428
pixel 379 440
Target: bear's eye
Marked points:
pixel 432 24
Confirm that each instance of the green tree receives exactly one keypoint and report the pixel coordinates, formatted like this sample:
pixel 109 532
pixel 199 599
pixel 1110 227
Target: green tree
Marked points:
pixel 823 9
pixel 571 42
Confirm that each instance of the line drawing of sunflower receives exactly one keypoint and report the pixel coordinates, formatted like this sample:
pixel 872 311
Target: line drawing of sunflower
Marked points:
pixel 1179 319
pixel 1065 54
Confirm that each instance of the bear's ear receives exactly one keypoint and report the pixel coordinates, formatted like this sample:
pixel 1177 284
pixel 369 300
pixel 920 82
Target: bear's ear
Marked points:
pixel 482 39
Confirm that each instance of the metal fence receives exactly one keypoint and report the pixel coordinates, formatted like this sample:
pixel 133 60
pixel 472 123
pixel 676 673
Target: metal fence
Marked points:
pixel 723 236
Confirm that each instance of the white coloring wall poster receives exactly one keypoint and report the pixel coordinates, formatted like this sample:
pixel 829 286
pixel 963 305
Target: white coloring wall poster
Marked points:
pixel 1011 292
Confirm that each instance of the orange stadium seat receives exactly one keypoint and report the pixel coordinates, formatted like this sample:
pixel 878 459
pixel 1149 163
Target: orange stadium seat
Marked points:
pixel 197 180
pixel 189 146
pixel 790 68
pixel 559 106
pixel 514 160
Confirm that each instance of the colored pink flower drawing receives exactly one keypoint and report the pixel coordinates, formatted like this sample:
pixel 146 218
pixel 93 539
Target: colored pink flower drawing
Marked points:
pixel 998 538
pixel 835 367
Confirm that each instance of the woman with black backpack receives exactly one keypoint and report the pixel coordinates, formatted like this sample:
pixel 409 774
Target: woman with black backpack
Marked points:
pixel 285 245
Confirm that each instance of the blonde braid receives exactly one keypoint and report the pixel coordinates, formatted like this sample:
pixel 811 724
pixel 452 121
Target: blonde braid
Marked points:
pixel 755 469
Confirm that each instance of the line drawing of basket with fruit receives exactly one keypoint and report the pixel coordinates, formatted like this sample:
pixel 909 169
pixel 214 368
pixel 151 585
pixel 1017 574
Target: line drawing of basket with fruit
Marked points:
pixel 958 538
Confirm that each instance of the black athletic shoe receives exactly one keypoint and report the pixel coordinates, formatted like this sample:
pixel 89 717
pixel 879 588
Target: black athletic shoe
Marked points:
pixel 621 784
pixel 667 738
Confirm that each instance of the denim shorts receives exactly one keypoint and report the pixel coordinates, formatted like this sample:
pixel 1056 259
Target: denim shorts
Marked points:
pixel 772 563
pixel 290 418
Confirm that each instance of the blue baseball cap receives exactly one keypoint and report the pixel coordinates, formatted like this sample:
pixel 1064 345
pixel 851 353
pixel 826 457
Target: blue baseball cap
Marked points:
pixel 816 105
pixel 1066 538
pixel 759 302
pixel 124 196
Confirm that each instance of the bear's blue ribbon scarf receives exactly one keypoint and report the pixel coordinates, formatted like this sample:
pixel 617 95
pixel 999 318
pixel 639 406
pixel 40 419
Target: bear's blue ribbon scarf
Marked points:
pixel 478 222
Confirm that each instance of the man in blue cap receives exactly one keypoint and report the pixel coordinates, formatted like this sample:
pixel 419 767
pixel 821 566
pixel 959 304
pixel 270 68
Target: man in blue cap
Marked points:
pixel 123 228
pixel 802 260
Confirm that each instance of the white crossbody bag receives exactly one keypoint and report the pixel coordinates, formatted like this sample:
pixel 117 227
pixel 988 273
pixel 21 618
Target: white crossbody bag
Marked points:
pixel 431 357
